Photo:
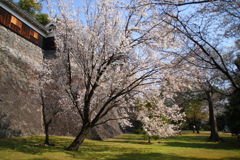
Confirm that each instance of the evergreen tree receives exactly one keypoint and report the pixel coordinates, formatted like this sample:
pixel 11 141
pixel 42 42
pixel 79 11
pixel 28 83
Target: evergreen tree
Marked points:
pixel 34 9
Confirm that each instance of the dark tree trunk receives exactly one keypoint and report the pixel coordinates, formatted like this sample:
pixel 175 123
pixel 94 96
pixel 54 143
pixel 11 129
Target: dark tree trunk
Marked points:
pixel 214 137
pixel 46 133
pixel 46 124
pixel 197 127
pixel 80 138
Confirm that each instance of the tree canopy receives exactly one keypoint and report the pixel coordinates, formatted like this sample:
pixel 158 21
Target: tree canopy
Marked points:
pixel 34 9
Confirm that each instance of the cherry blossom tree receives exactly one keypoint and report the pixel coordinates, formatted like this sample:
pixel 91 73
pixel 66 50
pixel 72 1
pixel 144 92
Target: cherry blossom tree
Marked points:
pixel 186 2
pixel 53 99
pixel 208 53
pixel 209 84
pixel 158 119
pixel 208 88
pixel 111 56
pixel 202 34
pixel 158 110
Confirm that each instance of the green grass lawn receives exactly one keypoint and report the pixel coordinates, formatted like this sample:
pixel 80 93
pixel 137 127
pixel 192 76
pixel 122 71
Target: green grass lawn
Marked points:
pixel 126 146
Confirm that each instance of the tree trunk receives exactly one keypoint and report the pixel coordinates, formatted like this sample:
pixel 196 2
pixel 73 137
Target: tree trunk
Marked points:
pixel 46 124
pixel 79 139
pixel 46 133
pixel 197 127
pixel 149 139
pixel 214 137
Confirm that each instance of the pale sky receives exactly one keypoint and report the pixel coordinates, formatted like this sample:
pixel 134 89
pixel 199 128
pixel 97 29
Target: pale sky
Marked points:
pixel 76 4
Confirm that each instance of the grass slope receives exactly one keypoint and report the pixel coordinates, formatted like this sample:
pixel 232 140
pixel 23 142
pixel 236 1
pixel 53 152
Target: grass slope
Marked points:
pixel 126 146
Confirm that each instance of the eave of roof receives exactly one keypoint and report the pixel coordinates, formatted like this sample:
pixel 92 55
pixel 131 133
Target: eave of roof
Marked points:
pixel 26 15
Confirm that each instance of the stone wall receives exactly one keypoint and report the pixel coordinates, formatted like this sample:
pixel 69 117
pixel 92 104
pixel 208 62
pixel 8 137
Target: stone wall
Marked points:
pixel 68 124
pixel 20 109
pixel 20 105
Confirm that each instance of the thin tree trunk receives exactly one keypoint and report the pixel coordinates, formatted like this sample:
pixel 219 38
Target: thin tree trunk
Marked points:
pixel 46 133
pixel 79 139
pixel 213 122
pixel 149 139
pixel 197 127
pixel 46 124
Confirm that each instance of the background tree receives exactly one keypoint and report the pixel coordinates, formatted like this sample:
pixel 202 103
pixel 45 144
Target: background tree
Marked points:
pixel 42 18
pixel 30 6
pixel 195 114
pixel 158 110
pixel 194 30
pixel 233 109
pixel 53 99
pixel 232 114
pixel 34 9
pixel 192 103
pixel 200 39
pixel 208 85
pixel 159 120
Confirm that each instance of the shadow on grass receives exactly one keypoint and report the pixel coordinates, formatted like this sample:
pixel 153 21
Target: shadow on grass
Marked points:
pixel 158 156
pixel 141 156
pixel 142 142
pixel 30 145
pixel 202 142
pixel 186 138
pixel 187 141
pixel 223 145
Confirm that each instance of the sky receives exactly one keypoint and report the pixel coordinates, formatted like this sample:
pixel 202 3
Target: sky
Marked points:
pixel 76 4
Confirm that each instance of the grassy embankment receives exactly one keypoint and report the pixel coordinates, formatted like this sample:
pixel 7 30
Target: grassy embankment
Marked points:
pixel 127 146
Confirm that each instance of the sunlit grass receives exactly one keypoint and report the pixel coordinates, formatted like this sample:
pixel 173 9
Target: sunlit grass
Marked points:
pixel 126 146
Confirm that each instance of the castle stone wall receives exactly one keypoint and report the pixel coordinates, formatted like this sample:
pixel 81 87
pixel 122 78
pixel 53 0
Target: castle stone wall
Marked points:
pixel 20 108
